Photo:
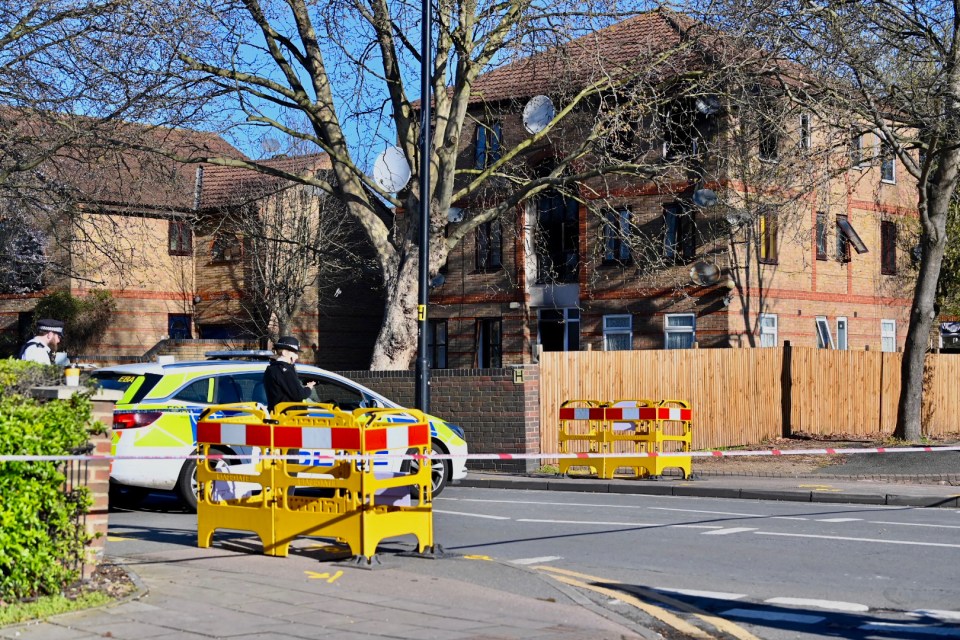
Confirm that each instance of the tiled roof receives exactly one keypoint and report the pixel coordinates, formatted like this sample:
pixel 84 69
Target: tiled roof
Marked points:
pixel 224 186
pixel 590 57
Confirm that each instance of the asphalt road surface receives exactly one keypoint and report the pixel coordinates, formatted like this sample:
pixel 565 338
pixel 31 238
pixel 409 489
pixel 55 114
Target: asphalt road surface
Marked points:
pixel 745 569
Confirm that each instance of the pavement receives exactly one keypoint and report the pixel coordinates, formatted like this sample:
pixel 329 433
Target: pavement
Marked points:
pixel 229 590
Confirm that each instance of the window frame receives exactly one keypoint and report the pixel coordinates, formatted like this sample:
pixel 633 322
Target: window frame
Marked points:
pixel 679 329
pixel 683 231
pixel 888 165
pixel 489 246
pixel 858 157
pixel 437 350
pixel 179 238
pixel 764 330
pixel 768 251
pixel 487 148
pixel 225 247
pixel 490 343
pixel 616 230
pixel 570 319
pixel 853 238
pixel 618 331
pixel 768 145
pixel 888 247
pixel 806 131
pixel 843 335
pixel 888 331
pixel 823 327
pixel 843 242
pixel 821 231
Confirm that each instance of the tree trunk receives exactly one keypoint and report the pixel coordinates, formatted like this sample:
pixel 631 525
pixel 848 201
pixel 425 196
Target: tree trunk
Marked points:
pixel 933 242
pixel 396 345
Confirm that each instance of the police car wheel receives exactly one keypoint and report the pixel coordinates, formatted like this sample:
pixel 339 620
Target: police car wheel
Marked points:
pixel 187 486
pixel 440 470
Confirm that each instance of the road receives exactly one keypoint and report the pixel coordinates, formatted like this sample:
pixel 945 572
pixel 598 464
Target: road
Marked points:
pixel 770 570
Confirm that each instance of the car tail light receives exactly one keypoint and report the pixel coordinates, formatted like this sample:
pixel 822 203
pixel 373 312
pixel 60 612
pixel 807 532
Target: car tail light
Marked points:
pixel 134 419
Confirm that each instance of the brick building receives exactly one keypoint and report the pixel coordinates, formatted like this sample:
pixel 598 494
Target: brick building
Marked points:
pixel 809 241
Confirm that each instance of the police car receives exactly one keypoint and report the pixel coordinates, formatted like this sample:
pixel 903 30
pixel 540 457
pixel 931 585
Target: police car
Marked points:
pixel 157 416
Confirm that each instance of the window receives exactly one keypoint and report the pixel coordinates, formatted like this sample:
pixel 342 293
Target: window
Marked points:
pixel 225 248
pixel 888 166
pixel 769 143
pixel 180 237
pixel 616 236
pixel 200 390
pixel 337 394
pixel 559 329
pixel 679 330
pixel 888 248
pixel 557 238
pixel 618 333
pixel 888 335
pixel 437 343
pixel 488 144
pixel 768 330
pixel 824 337
pixel 768 236
pixel 842 342
pixel 857 155
pixel 680 237
pixel 821 236
pixel 489 246
pixel 846 236
pixel 179 326
pixel 806 132
pixel 489 343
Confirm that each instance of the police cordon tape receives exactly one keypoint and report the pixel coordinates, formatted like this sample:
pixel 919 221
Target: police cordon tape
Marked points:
pixel 497 456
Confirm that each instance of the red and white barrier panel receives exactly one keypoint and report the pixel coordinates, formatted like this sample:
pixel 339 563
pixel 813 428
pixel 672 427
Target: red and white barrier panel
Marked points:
pixel 626 413
pixel 507 456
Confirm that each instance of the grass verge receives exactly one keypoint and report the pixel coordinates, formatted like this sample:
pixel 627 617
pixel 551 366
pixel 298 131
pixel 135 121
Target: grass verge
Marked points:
pixel 47 606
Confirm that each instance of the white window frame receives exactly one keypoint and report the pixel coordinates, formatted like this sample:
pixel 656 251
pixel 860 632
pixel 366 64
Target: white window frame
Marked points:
pixel 843 335
pixel 768 331
pixel 617 330
pixel 893 167
pixel 806 131
pixel 667 329
pixel 571 323
pixel 888 331
pixel 823 328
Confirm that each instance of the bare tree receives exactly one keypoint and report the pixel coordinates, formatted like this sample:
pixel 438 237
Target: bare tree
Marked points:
pixel 891 68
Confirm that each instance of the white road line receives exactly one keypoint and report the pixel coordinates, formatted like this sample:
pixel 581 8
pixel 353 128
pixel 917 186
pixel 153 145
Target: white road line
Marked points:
pixel 938 614
pixel 787 518
pixel 644 525
pixel 539 560
pixel 549 504
pixel 902 542
pixel 694 593
pixel 917 524
pixel 840 520
pixel 887 627
pixel 725 532
pixel 830 605
pixel 759 614
pixel 471 515
pixel 715 513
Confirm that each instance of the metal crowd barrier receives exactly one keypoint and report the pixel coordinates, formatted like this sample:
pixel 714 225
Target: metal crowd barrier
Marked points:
pixel 283 493
pixel 623 427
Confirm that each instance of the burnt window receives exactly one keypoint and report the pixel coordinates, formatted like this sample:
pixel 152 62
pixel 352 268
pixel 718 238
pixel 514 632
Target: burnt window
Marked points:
pixel 616 236
pixel 888 248
pixel 847 236
pixel 489 246
pixel 225 248
pixel 769 142
pixel 557 238
pixel 680 233
pixel 180 238
pixel 489 343
pixel 488 144
pixel 769 248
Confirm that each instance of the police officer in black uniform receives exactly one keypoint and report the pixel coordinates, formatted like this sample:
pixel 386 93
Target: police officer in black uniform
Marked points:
pixel 39 348
pixel 280 379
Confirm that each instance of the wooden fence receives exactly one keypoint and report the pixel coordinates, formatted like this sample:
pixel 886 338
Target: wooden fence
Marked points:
pixel 745 396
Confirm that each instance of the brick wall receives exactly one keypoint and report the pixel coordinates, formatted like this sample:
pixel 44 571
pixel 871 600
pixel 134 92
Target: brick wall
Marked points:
pixel 497 414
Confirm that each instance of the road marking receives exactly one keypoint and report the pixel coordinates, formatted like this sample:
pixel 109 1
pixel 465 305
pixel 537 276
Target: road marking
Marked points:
pixel 471 515
pixel 536 560
pixel 902 542
pixel 117 539
pixel 787 518
pixel 314 575
pixel 549 504
pixel 821 488
pixel 477 558
pixel 840 520
pixel 725 532
pixel 694 593
pixel 760 614
pixel 917 524
pixel 714 513
pixel 939 614
pixel 831 605
pixel 607 523
pixel 887 627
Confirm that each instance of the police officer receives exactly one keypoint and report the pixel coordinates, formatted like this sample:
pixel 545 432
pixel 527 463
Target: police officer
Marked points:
pixel 40 347
pixel 280 379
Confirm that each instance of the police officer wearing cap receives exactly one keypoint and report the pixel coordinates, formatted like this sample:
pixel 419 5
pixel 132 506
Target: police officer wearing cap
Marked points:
pixel 39 348
pixel 280 379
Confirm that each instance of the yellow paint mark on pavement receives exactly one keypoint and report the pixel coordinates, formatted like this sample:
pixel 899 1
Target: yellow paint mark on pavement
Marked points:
pixel 314 575
pixel 329 548
pixel 719 623
pixel 477 558
pixel 116 539
pixel 825 488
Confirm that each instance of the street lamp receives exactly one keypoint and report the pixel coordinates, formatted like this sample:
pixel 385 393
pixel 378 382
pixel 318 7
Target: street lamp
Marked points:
pixel 423 366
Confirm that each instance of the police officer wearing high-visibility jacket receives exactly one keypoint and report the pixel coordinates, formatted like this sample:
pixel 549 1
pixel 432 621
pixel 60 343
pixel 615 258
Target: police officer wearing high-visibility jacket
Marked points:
pixel 280 379
pixel 40 347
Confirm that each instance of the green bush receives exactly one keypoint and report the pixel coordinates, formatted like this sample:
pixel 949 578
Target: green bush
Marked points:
pixel 86 318
pixel 41 536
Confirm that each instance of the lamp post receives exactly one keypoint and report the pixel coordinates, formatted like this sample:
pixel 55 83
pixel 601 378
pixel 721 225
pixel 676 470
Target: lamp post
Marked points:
pixel 423 366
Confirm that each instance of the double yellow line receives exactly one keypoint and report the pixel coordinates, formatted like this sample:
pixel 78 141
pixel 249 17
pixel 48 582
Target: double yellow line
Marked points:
pixel 575 579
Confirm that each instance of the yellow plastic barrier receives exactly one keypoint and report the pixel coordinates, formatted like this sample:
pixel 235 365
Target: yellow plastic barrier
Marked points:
pixel 358 501
pixel 643 426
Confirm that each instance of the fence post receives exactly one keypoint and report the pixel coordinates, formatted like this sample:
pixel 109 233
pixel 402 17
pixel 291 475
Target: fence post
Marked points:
pixel 786 391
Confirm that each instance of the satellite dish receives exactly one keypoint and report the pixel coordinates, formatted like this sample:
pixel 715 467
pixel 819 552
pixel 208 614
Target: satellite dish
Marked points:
pixel 455 214
pixel 391 170
pixel 704 273
pixel 538 113
pixel 708 105
pixel 704 198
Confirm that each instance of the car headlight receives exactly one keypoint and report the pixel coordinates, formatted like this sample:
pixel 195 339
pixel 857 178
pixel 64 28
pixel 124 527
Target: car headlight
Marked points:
pixel 457 430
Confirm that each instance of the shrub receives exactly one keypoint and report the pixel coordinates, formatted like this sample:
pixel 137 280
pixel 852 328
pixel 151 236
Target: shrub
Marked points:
pixel 41 535
pixel 86 319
